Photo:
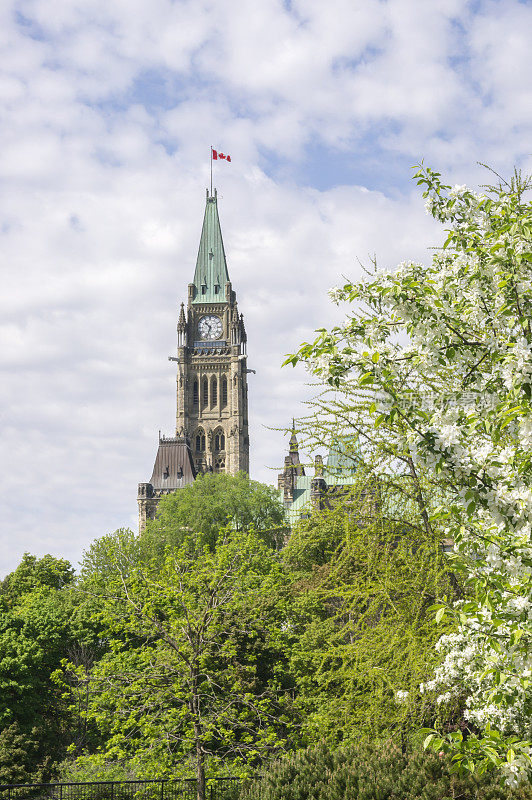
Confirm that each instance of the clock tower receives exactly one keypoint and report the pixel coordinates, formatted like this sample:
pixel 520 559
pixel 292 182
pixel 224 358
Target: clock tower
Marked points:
pixel 212 394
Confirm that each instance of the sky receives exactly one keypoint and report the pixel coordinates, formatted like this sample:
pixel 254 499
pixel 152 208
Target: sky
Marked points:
pixel 108 110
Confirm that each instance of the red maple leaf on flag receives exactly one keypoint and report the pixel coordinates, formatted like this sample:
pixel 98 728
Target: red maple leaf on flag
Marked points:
pixel 216 155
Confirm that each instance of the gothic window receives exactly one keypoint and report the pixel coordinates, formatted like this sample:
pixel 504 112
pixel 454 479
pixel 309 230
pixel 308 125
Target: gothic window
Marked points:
pixel 195 392
pixel 219 441
pixel 224 392
pixel 205 392
pixel 200 440
pixel 214 392
pixel 219 464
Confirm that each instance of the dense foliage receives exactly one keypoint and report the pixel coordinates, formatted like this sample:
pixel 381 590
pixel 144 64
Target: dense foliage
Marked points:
pixel 362 584
pixel 213 650
pixel 372 774
pixel 41 623
pixel 213 502
pixel 439 358
pixel 195 674
pixel 223 651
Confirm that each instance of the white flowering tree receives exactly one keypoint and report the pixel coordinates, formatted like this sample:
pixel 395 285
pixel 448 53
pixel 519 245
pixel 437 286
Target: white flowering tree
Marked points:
pixel 440 358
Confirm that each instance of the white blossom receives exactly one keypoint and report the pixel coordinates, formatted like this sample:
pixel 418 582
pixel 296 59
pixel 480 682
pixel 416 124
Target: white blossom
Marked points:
pixel 336 294
pixel 402 696
pixel 461 388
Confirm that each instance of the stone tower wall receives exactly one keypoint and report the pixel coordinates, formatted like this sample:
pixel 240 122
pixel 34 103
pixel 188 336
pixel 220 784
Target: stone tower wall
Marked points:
pixel 194 416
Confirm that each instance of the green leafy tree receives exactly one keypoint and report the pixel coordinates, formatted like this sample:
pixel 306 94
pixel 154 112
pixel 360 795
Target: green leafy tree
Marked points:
pixel 363 581
pixel 198 650
pixel 213 502
pixel 435 362
pixel 33 572
pixel 40 625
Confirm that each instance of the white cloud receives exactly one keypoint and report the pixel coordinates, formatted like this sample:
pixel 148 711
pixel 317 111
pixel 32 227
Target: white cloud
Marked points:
pixel 108 113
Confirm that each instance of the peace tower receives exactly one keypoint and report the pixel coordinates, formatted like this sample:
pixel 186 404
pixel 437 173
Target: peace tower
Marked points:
pixel 212 395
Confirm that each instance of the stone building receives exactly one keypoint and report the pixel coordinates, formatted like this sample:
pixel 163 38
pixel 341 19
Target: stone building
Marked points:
pixel 211 433
pixel 301 494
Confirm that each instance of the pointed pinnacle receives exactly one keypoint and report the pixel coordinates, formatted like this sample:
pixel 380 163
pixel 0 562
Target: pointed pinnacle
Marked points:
pixel 294 447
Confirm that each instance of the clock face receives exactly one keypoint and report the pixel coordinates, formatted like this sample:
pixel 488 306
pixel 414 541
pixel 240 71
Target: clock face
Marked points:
pixel 210 327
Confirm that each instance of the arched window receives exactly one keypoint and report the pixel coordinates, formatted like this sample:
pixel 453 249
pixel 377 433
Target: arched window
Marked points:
pixel 224 392
pixel 205 392
pixel 195 392
pixel 214 392
pixel 219 441
pixel 200 440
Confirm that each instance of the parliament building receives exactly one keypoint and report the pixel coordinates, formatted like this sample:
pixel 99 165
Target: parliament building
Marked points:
pixel 211 433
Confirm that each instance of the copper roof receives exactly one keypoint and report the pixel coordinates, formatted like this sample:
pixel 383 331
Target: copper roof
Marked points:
pixel 211 273
pixel 173 466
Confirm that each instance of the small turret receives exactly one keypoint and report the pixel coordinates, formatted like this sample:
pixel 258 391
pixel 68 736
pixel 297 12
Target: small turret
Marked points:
pixel 294 446
pixel 235 328
pixel 293 469
pixel 243 335
pixel 182 328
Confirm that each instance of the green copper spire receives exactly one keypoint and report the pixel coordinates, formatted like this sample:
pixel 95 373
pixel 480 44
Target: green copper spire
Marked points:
pixel 211 273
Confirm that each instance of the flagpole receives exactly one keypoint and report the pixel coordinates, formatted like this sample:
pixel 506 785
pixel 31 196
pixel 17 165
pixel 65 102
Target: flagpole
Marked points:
pixel 211 170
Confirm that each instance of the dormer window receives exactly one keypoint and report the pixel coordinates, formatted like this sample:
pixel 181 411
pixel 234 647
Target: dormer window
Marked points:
pixel 204 288
pixel 216 288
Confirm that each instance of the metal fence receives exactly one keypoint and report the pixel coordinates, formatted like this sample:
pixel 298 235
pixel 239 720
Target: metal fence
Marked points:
pixel 181 789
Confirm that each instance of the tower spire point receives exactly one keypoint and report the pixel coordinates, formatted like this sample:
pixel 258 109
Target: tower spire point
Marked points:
pixel 294 446
pixel 211 275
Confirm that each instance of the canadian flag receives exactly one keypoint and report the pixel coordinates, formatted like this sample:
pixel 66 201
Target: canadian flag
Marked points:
pixel 216 155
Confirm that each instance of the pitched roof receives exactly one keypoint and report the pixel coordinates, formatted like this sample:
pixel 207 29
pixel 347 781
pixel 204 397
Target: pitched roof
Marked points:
pixel 211 273
pixel 302 502
pixel 344 456
pixel 173 466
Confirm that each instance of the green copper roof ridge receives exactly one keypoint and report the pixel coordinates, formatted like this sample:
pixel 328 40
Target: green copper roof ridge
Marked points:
pixel 344 454
pixel 211 275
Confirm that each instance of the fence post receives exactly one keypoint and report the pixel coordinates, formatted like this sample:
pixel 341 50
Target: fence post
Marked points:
pixel 162 789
